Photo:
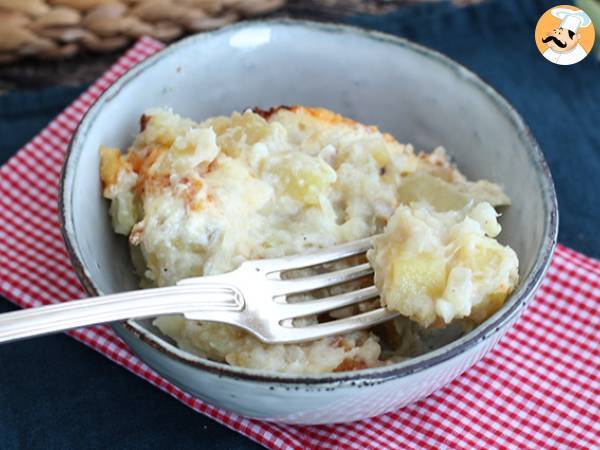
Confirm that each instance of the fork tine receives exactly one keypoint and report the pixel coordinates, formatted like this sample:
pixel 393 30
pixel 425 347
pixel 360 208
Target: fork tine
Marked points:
pixel 311 307
pixel 286 287
pixel 316 257
pixel 341 326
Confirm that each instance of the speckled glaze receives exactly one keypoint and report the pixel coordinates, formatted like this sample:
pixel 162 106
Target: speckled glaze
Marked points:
pixel 417 94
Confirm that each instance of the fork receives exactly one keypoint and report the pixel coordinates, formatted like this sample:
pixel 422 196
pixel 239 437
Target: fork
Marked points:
pixel 254 297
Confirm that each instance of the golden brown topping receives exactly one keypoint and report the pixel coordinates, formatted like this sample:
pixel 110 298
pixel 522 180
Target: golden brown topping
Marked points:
pixel 266 113
pixel 351 364
pixel 326 115
pixel 341 342
pixel 144 119
pixel 110 165
pixel 211 166
pixel 147 176
pixel 189 194
pixel 321 114
pixel 154 183
pixel 136 159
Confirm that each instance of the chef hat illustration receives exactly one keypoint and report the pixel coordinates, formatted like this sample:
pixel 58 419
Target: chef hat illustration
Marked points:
pixel 571 19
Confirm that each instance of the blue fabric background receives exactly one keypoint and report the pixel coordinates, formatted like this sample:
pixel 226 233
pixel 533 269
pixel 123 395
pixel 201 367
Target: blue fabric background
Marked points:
pixel 56 393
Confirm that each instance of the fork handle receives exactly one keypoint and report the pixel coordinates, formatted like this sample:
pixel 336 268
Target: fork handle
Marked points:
pixel 205 297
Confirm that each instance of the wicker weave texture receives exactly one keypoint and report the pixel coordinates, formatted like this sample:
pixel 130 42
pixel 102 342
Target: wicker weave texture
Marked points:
pixel 56 29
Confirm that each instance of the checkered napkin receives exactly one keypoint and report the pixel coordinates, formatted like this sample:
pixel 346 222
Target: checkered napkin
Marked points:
pixel 538 388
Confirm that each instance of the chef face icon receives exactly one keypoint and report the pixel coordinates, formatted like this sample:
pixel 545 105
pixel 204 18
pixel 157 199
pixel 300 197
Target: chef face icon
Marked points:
pixel 561 40
pixel 564 35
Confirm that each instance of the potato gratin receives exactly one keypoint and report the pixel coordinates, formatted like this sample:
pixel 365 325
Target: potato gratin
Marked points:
pixel 200 198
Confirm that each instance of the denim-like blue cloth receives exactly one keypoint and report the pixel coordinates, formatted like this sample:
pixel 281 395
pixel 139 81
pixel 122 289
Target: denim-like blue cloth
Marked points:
pixel 57 394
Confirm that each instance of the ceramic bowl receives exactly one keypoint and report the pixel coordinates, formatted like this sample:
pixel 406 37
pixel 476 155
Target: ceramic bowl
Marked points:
pixel 418 95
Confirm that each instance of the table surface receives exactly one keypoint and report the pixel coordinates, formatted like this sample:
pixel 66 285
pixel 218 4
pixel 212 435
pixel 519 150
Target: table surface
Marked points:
pixel 56 393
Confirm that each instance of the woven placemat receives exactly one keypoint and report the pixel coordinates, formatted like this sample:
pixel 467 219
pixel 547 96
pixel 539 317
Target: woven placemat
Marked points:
pixel 55 29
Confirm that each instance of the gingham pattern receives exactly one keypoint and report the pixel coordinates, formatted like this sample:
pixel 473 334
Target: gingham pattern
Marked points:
pixel 538 388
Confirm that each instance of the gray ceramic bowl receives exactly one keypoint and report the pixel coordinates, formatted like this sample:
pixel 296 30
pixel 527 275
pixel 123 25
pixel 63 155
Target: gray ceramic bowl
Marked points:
pixel 416 94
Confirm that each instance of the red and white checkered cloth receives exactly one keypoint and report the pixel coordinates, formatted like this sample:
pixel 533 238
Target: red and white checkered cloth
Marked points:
pixel 538 388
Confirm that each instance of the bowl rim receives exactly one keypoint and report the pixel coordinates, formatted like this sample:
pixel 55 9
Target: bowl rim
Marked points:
pixel 484 331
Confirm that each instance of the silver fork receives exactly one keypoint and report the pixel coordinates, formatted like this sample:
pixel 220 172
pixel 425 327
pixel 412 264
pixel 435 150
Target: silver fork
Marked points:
pixel 253 297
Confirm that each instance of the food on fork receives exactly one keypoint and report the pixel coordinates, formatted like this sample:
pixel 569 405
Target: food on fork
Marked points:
pixel 198 199
pixel 434 267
